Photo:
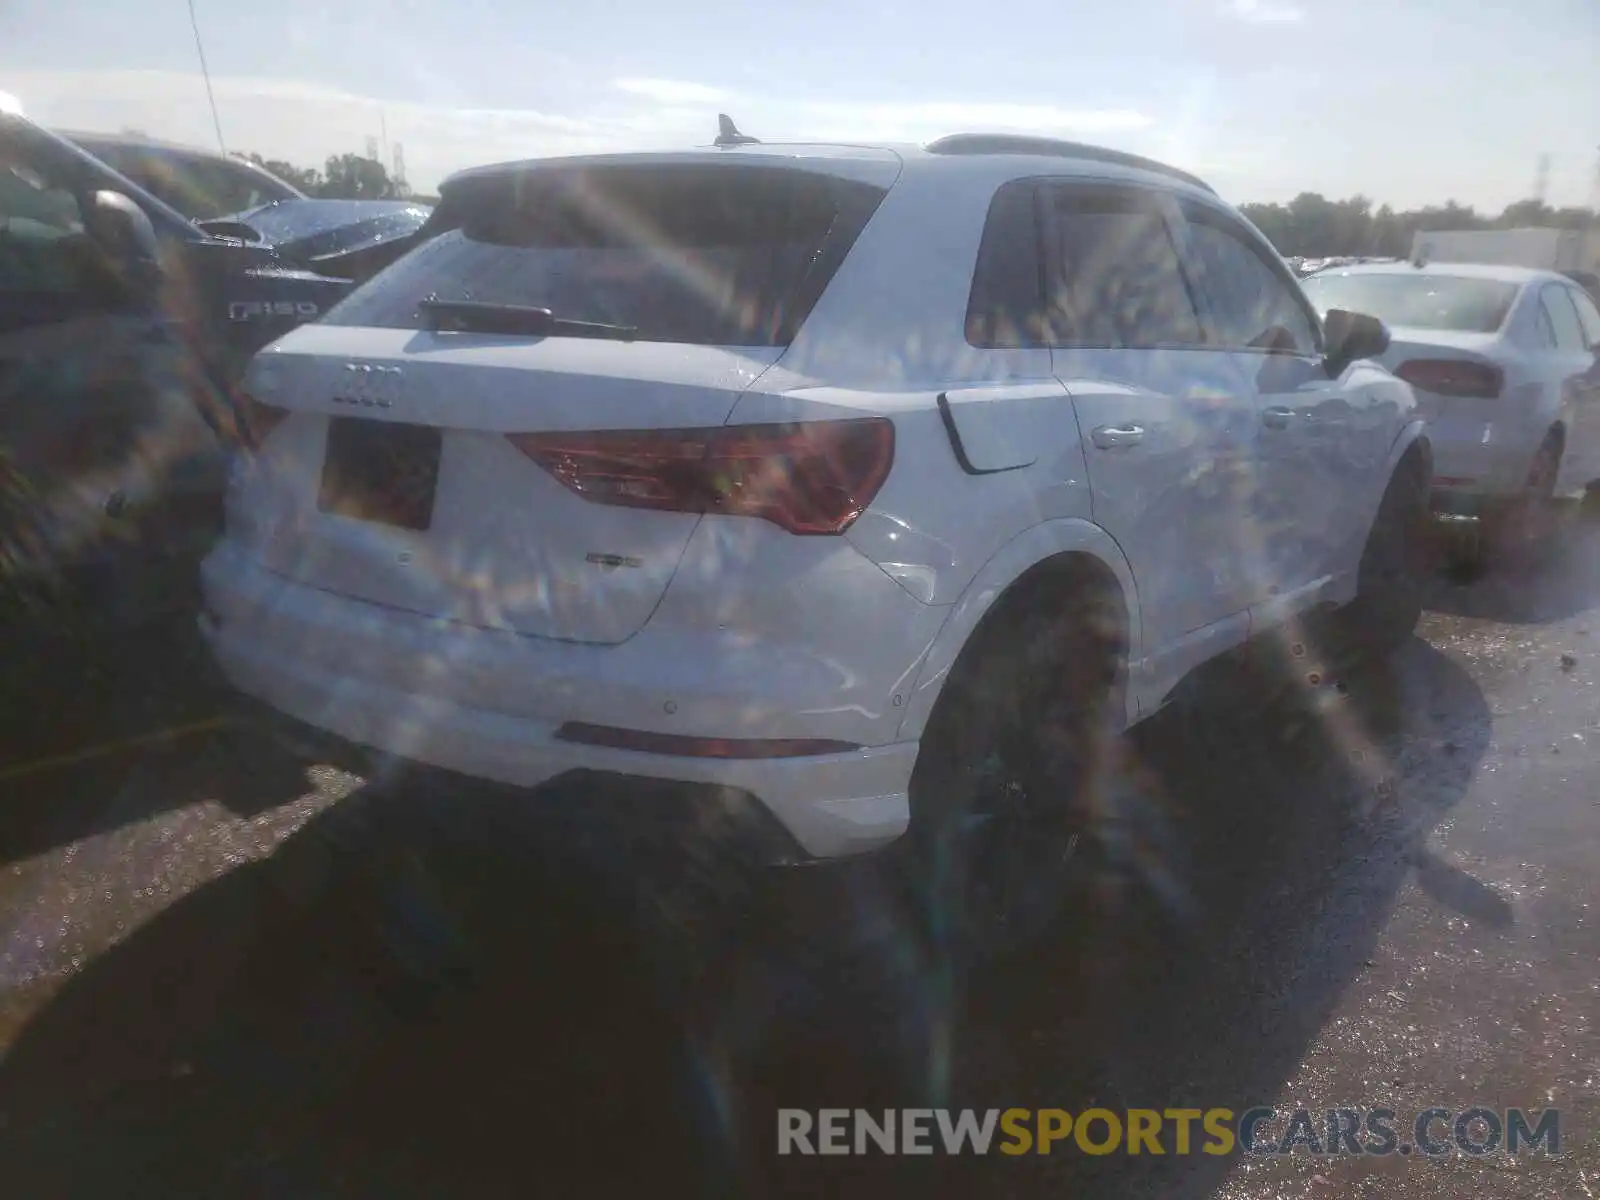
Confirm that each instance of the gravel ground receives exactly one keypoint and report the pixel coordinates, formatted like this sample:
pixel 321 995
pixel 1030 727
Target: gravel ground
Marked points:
pixel 226 969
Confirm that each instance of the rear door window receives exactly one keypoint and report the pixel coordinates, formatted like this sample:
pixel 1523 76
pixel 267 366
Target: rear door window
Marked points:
pixel 1588 316
pixel 729 255
pixel 1546 334
pixel 1006 307
pixel 1251 303
pixel 1115 279
pixel 1563 318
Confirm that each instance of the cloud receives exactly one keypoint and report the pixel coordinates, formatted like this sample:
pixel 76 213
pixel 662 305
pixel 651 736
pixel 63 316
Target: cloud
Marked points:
pixel 304 122
pixel 1264 12
pixel 671 91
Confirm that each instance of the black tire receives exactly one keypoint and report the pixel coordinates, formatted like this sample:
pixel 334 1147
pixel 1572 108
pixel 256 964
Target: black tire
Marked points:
pixel 1466 551
pixel 1007 786
pixel 1388 601
pixel 1520 530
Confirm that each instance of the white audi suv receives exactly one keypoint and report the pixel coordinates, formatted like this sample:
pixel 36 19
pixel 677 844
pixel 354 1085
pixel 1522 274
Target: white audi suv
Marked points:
pixel 870 489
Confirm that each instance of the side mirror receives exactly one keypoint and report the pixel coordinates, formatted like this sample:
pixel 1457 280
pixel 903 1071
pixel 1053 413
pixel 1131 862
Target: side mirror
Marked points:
pixel 1352 336
pixel 124 232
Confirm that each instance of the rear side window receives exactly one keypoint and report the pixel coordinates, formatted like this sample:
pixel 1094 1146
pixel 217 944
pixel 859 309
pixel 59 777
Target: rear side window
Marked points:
pixel 1588 316
pixel 1563 318
pixel 1251 305
pixel 722 256
pixel 1115 279
pixel 1006 308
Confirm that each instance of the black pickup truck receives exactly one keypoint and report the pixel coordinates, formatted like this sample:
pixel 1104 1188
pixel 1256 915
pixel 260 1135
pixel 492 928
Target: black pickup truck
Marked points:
pixel 123 326
pixel 235 198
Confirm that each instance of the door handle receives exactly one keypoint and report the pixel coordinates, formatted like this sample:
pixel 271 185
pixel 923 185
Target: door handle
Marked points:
pixel 1108 437
pixel 1277 417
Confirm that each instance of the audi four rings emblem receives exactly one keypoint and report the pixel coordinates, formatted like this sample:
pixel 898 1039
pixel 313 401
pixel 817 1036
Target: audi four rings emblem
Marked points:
pixel 368 385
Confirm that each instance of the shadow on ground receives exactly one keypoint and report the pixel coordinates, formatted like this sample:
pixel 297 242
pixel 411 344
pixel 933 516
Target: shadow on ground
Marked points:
pixel 423 994
pixel 1562 579
pixel 101 728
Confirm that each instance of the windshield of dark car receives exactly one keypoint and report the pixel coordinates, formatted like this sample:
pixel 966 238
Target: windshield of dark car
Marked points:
pixel 200 188
pixel 1458 304
pixel 723 256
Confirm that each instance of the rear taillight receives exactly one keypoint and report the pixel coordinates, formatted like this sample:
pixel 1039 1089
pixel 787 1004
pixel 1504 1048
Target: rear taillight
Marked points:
pixel 811 478
pixel 259 418
pixel 1454 377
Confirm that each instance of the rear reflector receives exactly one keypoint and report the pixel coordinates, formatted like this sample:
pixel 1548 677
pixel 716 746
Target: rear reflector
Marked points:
pixel 1453 377
pixel 692 747
pixel 811 478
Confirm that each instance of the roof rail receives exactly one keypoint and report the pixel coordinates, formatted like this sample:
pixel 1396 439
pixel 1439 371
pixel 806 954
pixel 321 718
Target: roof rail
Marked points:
pixel 1008 143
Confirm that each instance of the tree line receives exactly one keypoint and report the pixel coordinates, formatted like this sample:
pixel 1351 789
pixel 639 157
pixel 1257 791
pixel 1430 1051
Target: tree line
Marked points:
pixel 1309 225
pixel 343 177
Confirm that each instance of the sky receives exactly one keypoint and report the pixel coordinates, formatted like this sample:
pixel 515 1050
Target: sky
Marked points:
pixel 1409 102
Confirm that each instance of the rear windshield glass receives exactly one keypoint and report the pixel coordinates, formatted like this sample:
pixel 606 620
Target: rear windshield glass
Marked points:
pixel 727 256
pixel 1417 301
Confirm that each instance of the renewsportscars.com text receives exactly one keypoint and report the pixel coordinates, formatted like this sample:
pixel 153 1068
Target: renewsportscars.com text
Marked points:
pixel 1432 1132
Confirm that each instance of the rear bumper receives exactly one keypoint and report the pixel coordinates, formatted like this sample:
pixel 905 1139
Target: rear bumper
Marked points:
pixel 330 662
pixel 1474 459
pixel 712 822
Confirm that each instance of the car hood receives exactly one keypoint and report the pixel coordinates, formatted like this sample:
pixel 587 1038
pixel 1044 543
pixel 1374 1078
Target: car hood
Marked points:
pixel 312 231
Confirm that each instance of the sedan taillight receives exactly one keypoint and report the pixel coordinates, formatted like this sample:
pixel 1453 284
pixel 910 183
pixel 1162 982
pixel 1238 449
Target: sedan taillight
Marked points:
pixel 814 477
pixel 1454 377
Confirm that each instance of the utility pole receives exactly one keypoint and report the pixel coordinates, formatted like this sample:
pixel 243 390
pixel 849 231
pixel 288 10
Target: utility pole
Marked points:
pixel 1541 182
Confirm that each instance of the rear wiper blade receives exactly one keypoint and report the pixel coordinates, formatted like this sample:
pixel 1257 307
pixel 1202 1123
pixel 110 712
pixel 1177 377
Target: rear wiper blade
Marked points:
pixel 478 316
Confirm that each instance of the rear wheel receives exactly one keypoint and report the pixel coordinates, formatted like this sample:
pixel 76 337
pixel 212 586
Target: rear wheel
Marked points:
pixel 1526 524
pixel 1388 600
pixel 1004 796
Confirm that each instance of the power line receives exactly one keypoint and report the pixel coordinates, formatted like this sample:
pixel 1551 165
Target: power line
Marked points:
pixel 205 72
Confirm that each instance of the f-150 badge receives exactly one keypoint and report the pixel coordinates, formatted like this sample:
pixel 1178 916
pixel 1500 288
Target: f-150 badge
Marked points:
pixel 254 310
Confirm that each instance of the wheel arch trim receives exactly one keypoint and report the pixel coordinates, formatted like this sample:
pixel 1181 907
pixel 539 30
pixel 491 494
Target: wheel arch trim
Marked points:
pixel 1414 433
pixel 1028 549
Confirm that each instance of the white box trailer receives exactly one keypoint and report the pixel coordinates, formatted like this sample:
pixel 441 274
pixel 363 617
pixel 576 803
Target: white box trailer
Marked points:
pixel 1547 249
